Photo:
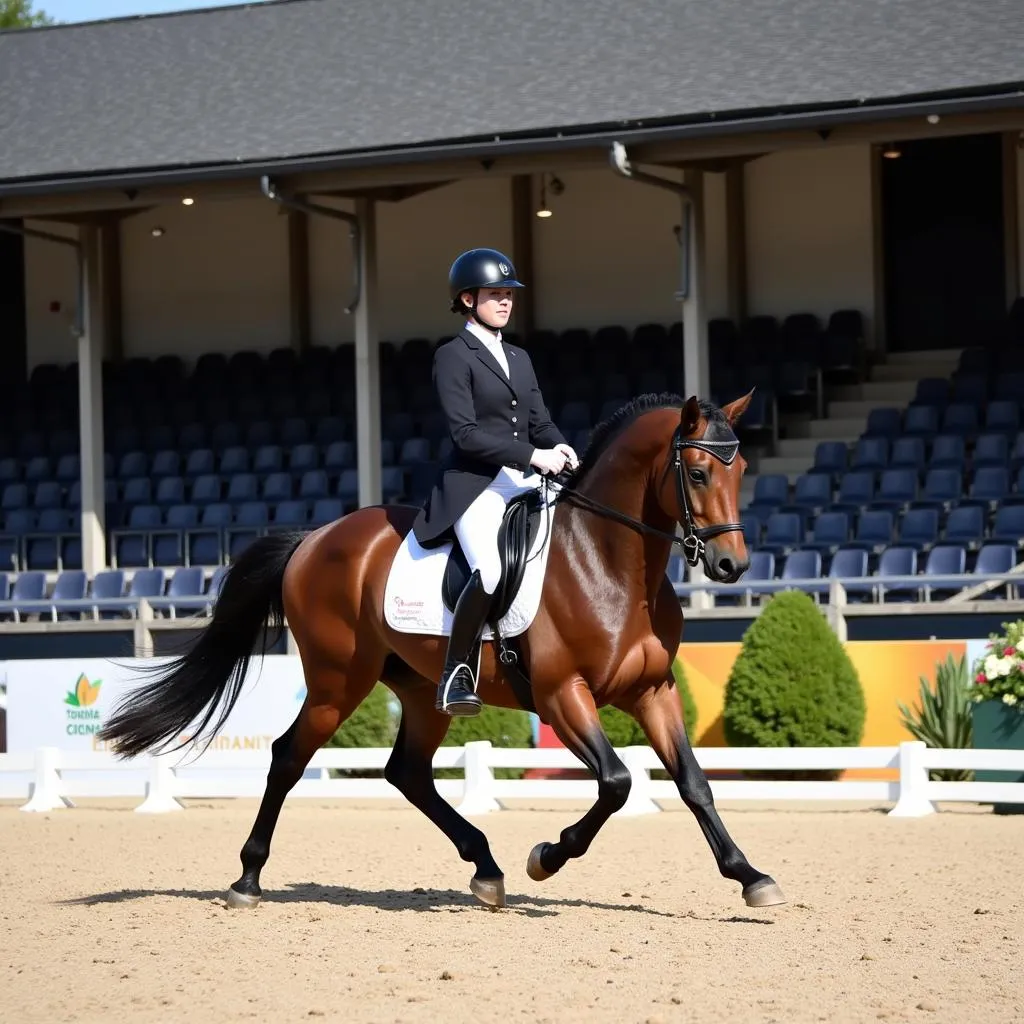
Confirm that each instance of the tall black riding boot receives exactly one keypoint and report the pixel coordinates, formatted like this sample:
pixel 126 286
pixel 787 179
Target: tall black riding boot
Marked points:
pixel 456 693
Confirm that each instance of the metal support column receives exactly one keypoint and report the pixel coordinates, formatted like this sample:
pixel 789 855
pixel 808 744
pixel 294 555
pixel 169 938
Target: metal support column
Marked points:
pixel 696 365
pixel 368 447
pixel 90 402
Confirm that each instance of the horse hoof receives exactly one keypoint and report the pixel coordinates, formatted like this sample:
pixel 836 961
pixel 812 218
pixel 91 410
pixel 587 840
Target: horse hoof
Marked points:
pixel 490 891
pixel 534 868
pixel 239 901
pixel 763 894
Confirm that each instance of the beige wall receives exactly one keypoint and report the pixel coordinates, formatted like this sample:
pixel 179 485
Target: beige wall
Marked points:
pixel 809 232
pixel 218 278
pixel 50 276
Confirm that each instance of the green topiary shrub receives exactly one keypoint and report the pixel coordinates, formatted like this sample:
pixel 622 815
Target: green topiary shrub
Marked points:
pixel 793 684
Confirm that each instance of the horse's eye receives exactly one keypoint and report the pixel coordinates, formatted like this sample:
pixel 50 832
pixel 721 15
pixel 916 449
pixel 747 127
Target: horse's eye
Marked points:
pixel 698 476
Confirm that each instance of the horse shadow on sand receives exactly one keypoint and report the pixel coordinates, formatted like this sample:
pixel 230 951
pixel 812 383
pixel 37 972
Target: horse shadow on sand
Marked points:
pixel 419 900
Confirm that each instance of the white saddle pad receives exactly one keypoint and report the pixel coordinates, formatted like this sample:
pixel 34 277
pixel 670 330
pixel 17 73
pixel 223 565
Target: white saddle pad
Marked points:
pixel 412 595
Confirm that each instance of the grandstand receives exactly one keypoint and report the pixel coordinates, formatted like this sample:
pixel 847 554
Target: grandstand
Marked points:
pixel 884 436
pixel 863 470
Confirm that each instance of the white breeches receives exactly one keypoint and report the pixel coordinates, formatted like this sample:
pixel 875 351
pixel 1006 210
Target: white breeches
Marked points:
pixel 477 528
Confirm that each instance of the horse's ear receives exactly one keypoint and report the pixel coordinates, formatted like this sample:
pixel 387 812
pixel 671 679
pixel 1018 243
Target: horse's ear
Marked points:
pixel 691 416
pixel 734 410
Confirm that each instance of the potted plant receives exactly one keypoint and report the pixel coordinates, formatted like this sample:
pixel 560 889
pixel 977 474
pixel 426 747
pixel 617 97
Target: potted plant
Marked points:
pixel 998 695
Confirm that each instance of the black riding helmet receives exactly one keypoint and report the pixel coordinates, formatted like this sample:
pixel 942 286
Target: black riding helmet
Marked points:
pixel 479 268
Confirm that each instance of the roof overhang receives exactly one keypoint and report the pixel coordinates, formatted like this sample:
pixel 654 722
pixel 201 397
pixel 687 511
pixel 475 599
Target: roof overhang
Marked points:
pixel 710 140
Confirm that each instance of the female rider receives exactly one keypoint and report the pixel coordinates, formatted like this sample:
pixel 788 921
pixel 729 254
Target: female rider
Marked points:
pixel 501 432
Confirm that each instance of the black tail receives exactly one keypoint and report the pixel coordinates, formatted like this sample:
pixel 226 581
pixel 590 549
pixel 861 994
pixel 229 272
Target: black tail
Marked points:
pixel 214 668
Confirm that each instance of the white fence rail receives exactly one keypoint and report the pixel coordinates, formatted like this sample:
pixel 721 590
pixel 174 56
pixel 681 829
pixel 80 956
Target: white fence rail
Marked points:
pixel 50 778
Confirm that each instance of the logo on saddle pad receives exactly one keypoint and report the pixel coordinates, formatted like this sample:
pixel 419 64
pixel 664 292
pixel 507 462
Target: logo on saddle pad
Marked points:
pixel 403 609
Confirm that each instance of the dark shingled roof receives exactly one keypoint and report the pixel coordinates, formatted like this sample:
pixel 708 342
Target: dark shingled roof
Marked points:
pixel 297 78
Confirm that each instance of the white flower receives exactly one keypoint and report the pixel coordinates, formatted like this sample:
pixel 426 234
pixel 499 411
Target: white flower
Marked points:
pixel 1009 698
pixel 1020 645
pixel 989 666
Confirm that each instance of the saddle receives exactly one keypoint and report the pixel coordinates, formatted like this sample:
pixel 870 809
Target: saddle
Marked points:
pixel 516 534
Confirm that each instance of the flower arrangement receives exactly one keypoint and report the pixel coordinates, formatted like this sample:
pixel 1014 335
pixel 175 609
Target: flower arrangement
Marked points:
pixel 999 674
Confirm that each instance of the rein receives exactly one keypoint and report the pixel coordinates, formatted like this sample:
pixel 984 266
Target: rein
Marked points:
pixel 693 539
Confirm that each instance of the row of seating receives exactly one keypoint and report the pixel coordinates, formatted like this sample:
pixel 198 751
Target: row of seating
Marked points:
pixel 874 529
pixel 860 489
pixel 946 451
pixel 962 418
pixel 110 595
pixel 942 571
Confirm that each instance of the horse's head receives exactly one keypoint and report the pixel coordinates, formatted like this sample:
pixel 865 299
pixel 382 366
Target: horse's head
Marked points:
pixel 700 487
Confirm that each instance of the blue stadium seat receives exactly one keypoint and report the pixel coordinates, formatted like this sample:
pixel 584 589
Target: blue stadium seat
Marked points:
pixel 244 487
pixel 874 530
pixel 970 389
pixel 415 449
pixel 268 459
pixel 314 484
pixel 294 431
pixel 831 531
pixel 170 491
pixel 10 471
pixel 225 435
pixel 870 453
pixel 897 489
pixel 348 485
pixel 329 429
pixel 991 485
pixel 897 561
pixel 71 585
pixel 921 421
pixel 813 491
pixel 165 463
pixel 206 489
pixel 965 526
pixel 326 510
pixel 783 532
pixel 277 487
pixel 919 528
pixel 830 457
pixel 302 459
pixel 68 469
pixel 948 452
pixel 49 494
pixel 290 514
pixel 200 462
pixel 192 437
pixel 1002 416
pixel 908 453
pixel 883 422
pixel 15 496
pixel 138 491
pixel 147 583
pixel 770 491
pixel 856 491
pixel 944 560
pixel 340 455
pixel 802 564
pixel 960 418
pixel 997 559
pixel 1008 525
pixel 38 469
pixel 991 450
pixel 234 460
pixel 392 482
pixel 851 566
pixel 29 588
pixel 942 489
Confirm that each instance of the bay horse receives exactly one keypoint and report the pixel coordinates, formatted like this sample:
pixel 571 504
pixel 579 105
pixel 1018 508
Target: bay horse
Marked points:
pixel 605 633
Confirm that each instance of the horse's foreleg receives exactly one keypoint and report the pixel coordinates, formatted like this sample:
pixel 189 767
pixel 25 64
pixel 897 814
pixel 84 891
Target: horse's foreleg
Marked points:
pixel 409 769
pixel 573 716
pixel 331 697
pixel 660 716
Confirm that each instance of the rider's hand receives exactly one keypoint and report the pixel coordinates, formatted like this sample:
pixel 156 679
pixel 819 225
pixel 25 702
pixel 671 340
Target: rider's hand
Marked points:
pixel 548 460
pixel 572 460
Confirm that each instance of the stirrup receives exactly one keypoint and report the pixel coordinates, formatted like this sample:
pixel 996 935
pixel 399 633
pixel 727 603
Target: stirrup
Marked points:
pixel 454 697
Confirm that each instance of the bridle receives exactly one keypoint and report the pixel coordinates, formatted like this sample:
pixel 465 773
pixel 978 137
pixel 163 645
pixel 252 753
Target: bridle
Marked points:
pixel 693 538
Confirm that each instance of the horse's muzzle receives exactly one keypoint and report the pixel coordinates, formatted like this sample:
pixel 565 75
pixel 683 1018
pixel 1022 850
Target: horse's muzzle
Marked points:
pixel 725 566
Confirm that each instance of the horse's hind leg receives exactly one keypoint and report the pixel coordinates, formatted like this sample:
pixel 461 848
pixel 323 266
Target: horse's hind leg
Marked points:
pixel 337 695
pixel 409 770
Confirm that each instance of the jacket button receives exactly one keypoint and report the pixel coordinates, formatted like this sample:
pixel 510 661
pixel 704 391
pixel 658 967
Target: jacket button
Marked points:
pixel 515 433
pixel 513 419
pixel 514 403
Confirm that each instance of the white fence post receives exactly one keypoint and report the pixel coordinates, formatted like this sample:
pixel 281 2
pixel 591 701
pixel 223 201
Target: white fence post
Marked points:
pixel 639 800
pixel 913 801
pixel 46 794
pixel 159 788
pixel 478 794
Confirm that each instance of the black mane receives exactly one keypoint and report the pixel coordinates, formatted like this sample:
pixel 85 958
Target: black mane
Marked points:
pixel 608 429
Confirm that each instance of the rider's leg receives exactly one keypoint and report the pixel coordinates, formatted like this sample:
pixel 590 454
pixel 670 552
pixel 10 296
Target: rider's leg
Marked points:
pixel 477 531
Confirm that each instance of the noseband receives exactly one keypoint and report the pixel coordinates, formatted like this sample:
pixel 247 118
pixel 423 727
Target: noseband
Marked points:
pixel 693 539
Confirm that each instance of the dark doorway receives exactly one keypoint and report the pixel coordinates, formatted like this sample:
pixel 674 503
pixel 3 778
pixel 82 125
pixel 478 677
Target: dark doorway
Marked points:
pixel 942 217
pixel 12 308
